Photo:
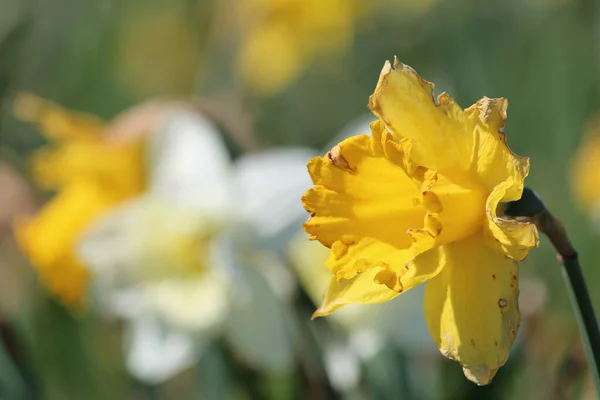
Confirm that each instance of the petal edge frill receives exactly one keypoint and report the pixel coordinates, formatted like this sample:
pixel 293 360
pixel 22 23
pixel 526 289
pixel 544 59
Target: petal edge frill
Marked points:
pixel 55 122
pixel 509 236
pixel 359 192
pixel 406 103
pixel 373 285
pixel 492 160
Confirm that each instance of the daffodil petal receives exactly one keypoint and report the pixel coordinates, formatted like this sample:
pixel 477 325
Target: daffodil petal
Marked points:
pixel 511 237
pixel 48 238
pixel 92 160
pixel 156 353
pixel 360 289
pixel 471 307
pixel 385 273
pixel 55 122
pixel 492 159
pixel 270 58
pixel 191 304
pixel 358 126
pixel 360 192
pixel 268 185
pixel 586 164
pixel 258 326
pixel 406 103
pixel 190 166
pixel 148 240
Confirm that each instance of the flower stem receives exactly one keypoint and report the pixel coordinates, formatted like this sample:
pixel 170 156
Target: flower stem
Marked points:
pixel 585 314
pixel 531 208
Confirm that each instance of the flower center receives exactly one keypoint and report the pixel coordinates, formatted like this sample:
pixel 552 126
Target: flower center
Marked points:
pixel 463 208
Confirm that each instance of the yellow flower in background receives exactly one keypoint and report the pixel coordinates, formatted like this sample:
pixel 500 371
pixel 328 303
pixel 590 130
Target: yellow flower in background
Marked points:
pixel 421 200
pixel 159 49
pixel 586 168
pixel 89 174
pixel 282 37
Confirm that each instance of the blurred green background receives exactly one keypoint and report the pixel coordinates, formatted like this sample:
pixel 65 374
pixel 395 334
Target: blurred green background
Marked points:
pixel 103 56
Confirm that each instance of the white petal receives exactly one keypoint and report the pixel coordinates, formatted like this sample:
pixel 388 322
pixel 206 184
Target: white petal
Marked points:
pixel 342 366
pixel 144 239
pixel 155 354
pixel 190 165
pixel 108 246
pixel 194 304
pixel 366 341
pixel 268 187
pixel 257 328
pixel 127 303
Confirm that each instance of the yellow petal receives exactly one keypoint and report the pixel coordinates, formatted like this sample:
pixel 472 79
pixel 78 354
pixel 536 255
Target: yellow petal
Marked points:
pixel 370 286
pixel 120 166
pixel 362 289
pixel 49 238
pixel 270 58
pixel 374 208
pixel 511 237
pixel 368 187
pixel 407 105
pixel 472 308
pixel 55 122
pixel 325 26
pixel 358 193
pixel 443 135
pixel 91 174
pixel 586 167
pixel 492 159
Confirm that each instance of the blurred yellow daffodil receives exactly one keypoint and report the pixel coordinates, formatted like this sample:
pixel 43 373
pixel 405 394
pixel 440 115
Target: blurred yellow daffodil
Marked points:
pixel 90 175
pixel 421 200
pixel 281 37
pixel 586 168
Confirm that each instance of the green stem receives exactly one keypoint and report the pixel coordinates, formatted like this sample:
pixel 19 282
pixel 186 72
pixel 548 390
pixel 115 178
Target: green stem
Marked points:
pixel 588 325
pixel 530 208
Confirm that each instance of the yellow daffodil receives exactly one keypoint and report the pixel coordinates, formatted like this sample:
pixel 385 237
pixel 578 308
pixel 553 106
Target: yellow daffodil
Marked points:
pixel 90 175
pixel 282 37
pixel 421 200
pixel 586 167
pixel 158 49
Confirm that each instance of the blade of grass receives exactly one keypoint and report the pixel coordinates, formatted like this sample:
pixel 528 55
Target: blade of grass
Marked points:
pixel 12 384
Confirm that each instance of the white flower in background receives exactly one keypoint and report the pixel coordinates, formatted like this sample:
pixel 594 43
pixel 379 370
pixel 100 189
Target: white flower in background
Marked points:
pixel 169 264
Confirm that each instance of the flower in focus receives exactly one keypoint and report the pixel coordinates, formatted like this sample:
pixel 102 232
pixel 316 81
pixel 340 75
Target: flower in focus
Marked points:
pixel 585 169
pixel 89 173
pixel 281 37
pixel 421 200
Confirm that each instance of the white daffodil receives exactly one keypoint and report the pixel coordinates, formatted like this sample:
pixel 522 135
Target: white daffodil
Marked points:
pixel 169 264
pixel 261 325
